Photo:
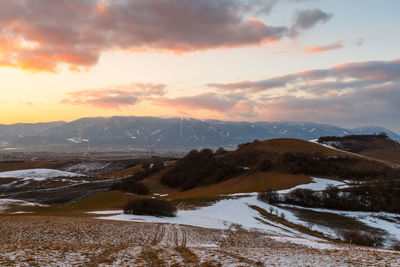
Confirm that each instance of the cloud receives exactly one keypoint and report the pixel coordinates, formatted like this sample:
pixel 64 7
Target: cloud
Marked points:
pixel 323 48
pixel 115 98
pixel 307 18
pixel 359 93
pixel 373 106
pixel 206 101
pixel 360 74
pixel 221 105
pixel 42 34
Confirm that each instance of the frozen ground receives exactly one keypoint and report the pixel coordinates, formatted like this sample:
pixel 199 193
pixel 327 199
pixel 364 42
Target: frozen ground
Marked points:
pixel 236 210
pixel 221 215
pixel 69 241
pixel 37 174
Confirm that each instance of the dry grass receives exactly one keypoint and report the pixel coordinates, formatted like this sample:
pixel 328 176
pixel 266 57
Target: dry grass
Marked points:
pixel 28 164
pixel 391 155
pixel 253 182
pixel 122 173
pixel 102 201
pixel 284 145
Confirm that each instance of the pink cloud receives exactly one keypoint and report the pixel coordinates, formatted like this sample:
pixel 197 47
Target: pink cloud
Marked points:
pixel 323 48
pixel 77 32
pixel 115 98
pixel 360 73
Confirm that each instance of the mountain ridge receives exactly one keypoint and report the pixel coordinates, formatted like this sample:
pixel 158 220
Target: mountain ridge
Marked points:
pixel 150 133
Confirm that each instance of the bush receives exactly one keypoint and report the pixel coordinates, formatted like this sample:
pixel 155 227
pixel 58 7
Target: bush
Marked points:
pixel 150 206
pixel 372 196
pixel 200 168
pixel 395 245
pixel 362 238
pixel 131 185
pixel 346 167
pixel 268 196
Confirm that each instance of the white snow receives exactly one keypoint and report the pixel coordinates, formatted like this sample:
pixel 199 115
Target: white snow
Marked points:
pixel 106 212
pixel 236 210
pixel 220 215
pixel 381 220
pixel 316 185
pixel 37 174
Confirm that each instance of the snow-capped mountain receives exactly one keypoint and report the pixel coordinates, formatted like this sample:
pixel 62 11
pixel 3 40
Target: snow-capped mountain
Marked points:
pixel 124 133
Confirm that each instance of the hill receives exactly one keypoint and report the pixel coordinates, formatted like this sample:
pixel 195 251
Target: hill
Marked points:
pixel 261 165
pixel 150 133
pixel 375 146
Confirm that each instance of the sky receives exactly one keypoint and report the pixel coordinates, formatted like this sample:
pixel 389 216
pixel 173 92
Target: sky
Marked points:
pixel 326 61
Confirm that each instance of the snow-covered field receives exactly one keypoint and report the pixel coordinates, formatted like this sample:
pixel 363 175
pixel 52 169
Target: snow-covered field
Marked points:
pixel 207 236
pixel 236 210
pixel 38 174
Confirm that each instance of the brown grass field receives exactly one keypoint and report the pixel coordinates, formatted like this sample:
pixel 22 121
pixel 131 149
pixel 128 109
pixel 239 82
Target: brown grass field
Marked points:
pixel 27 164
pixel 71 241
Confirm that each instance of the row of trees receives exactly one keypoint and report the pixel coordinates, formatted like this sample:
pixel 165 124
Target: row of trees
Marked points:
pixel 200 168
pixel 375 196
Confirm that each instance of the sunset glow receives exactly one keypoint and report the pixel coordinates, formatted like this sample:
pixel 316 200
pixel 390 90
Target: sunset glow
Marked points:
pixel 324 61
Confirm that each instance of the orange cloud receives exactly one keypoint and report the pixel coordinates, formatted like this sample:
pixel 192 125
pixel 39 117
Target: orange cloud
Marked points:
pixel 115 98
pixel 323 48
pixel 77 32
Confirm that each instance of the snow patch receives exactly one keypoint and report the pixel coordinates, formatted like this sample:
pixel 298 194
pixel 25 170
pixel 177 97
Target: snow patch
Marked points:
pixel 38 174
pixel 317 184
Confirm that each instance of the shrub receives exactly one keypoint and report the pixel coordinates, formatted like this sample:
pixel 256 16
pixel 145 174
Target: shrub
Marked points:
pixel 200 168
pixel 373 196
pixel 362 238
pixel 268 196
pixel 221 151
pixel 131 185
pixel 150 206
pixel 395 245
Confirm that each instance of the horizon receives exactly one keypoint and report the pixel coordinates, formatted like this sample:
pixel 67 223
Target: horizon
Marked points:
pixel 320 61
pixel 207 119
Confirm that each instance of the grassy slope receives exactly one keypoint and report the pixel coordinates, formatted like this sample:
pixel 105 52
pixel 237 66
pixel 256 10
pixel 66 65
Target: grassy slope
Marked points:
pixel 28 164
pixel 252 182
pixel 121 173
pixel 102 201
pixel 382 149
pixel 284 145
pixel 390 155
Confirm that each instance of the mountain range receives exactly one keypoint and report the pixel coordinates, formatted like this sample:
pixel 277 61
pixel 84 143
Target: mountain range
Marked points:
pixel 151 133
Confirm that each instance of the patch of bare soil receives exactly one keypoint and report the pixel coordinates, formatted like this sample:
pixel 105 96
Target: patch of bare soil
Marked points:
pixel 77 241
